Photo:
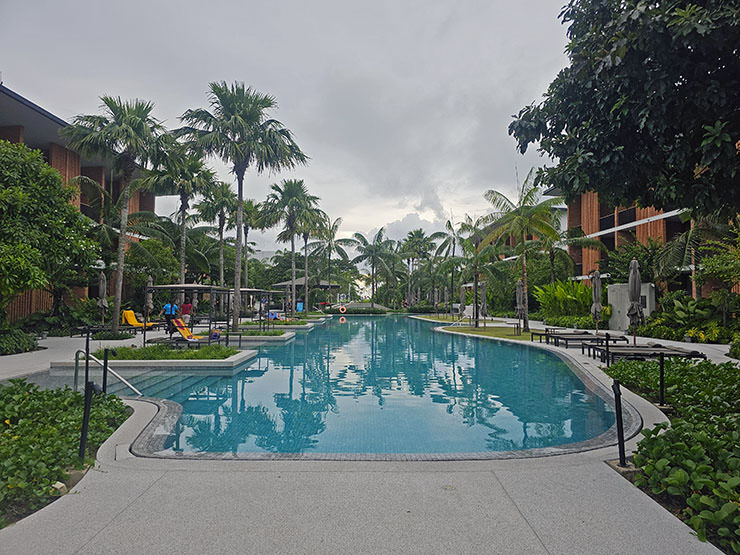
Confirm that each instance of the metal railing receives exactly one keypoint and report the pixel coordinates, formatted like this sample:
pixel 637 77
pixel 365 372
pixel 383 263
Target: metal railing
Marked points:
pixel 123 380
pixel 459 322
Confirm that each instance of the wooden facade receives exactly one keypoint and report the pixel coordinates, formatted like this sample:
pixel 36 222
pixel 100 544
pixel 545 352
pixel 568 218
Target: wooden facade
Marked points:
pixel 69 164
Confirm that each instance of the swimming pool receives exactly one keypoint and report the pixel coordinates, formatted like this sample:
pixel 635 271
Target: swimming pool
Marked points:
pixel 385 385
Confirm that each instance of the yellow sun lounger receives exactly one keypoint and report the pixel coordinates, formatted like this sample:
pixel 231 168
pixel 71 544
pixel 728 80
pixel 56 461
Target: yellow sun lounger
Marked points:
pixel 128 317
pixel 188 335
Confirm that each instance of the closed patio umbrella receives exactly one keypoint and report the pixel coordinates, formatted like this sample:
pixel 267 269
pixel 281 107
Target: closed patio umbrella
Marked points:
pixel 520 299
pixel 194 301
pixel 149 302
pixel 635 312
pixel 483 303
pixel 102 300
pixel 596 298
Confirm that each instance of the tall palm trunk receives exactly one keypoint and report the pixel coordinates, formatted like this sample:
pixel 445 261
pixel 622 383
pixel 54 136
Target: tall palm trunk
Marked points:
pixel 372 286
pixel 238 258
pixel 118 292
pixel 305 272
pixel 452 278
pixel 221 225
pixel 476 307
pixel 552 265
pixel 246 256
pixel 328 268
pixel 408 283
pixel 292 274
pixel 183 238
pixel 524 279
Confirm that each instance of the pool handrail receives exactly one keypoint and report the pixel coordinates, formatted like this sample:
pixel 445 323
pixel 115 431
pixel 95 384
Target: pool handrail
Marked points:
pixel 116 374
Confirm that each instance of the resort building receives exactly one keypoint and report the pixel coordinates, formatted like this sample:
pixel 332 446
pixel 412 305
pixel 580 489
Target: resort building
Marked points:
pixel 616 227
pixel 22 121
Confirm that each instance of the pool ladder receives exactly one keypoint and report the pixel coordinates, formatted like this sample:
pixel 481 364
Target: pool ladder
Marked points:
pixel 116 374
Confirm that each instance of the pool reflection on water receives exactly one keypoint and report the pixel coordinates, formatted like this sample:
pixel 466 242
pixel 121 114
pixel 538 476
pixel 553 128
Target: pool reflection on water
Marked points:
pixel 388 385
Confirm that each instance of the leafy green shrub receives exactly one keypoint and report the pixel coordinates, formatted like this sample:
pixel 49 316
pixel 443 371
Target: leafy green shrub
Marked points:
pixel 110 336
pixel 16 341
pixel 735 349
pixel 39 439
pixel 362 310
pixel 163 352
pixel 564 298
pixel 262 332
pixel 696 462
pixel 580 322
pixel 661 331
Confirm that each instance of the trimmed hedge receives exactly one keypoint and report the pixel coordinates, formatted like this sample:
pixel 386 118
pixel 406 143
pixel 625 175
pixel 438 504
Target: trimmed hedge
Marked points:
pixel 39 439
pixel 693 465
pixel 110 336
pixel 163 352
pixel 356 311
pixel 16 341
pixel 580 322
pixel 246 333
pixel 423 309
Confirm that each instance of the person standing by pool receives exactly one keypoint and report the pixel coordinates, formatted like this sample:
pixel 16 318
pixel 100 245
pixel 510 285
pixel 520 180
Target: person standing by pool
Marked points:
pixel 186 309
pixel 170 310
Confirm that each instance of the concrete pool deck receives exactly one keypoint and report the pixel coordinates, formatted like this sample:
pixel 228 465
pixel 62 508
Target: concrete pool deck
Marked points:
pixel 565 504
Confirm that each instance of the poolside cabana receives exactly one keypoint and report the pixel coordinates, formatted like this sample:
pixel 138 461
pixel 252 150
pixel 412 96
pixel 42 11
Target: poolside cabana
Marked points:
pixel 194 289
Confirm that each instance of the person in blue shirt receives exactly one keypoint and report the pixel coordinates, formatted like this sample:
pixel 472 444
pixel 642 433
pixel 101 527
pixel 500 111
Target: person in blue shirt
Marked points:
pixel 170 311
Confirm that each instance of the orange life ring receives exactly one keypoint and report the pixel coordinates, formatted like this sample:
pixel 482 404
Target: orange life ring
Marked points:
pixel 342 309
pixel 342 320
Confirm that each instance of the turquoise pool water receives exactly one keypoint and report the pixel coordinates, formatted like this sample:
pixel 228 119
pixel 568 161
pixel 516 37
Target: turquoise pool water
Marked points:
pixel 386 385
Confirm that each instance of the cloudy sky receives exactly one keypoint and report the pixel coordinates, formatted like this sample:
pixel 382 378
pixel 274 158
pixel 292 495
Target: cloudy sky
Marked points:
pixel 403 106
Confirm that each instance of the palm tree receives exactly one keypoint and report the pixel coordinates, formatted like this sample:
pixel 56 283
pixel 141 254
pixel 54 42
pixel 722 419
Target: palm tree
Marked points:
pixel 252 220
pixel 218 202
pixel 238 129
pixel 528 217
pixel 328 243
pixel 289 204
pixel 418 246
pixel 375 252
pixel 450 240
pixel 183 174
pixel 309 226
pixel 556 248
pixel 127 133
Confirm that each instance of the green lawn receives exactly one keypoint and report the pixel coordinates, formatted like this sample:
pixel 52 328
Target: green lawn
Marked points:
pixel 508 332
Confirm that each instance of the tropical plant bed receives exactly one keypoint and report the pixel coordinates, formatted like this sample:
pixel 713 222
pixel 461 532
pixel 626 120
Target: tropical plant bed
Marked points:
pixel 693 466
pixel 494 331
pixel 163 352
pixel 262 333
pixel 39 442
pixel 16 341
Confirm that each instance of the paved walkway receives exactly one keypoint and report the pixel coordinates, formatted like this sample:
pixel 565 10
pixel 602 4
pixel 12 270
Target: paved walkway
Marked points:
pixel 565 504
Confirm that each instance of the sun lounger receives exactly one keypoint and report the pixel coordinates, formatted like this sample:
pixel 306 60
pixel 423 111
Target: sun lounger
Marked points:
pixel 188 336
pixel 129 318
pixel 609 354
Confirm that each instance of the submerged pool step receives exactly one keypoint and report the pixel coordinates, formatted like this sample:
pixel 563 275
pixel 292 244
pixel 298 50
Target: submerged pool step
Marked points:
pixel 163 384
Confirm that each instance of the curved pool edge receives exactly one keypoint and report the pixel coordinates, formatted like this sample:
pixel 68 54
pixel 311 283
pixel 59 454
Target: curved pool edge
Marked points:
pixel 151 441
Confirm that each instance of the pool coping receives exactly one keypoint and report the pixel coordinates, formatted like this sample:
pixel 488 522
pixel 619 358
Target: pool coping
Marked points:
pixel 178 364
pixel 151 442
